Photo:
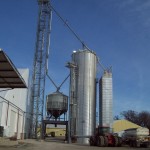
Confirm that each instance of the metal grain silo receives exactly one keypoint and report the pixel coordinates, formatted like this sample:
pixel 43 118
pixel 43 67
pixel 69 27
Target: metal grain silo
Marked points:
pixel 83 95
pixel 105 99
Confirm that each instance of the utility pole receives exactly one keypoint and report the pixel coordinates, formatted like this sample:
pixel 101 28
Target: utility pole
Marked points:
pixel 40 67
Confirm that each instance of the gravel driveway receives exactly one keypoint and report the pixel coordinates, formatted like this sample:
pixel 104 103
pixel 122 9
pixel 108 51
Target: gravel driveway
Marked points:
pixel 48 145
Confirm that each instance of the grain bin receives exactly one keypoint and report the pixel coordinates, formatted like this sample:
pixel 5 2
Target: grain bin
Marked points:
pixel 105 99
pixel 83 95
pixel 57 104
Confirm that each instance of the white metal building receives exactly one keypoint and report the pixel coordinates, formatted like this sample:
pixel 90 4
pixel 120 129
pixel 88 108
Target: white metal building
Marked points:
pixel 14 108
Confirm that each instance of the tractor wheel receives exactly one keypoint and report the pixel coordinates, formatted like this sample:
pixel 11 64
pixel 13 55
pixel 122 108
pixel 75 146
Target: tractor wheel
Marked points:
pixel 92 141
pixel 100 141
pixel 105 141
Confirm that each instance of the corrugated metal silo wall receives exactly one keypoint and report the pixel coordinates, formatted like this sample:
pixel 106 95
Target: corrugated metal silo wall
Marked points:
pixel 105 100
pixel 85 94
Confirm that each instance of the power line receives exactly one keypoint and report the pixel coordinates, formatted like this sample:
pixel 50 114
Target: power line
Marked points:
pixel 70 28
pixel 74 33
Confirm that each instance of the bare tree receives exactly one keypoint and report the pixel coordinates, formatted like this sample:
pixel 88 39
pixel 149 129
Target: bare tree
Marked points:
pixel 141 118
pixel 117 117
pixel 144 118
pixel 131 115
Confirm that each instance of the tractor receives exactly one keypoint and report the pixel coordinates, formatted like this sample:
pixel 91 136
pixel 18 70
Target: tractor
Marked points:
pixel 104 138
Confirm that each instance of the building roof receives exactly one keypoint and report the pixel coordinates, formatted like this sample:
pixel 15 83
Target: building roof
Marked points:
pixel 121 125
pixel 9 75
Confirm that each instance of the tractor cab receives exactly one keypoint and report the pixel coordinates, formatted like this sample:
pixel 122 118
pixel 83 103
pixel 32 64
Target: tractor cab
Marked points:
pixel 103 130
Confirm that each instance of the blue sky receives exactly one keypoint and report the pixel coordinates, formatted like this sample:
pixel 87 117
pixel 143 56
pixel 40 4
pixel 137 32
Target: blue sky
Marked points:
pixel 117 30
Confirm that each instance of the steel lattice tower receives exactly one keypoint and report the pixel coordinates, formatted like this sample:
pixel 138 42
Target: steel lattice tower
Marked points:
pixel 40 67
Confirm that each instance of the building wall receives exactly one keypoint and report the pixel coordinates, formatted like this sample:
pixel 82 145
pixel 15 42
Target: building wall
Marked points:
pixel 13 118
pixel 57 131
pixel 121 125
pixel 2 94
pixel 1 104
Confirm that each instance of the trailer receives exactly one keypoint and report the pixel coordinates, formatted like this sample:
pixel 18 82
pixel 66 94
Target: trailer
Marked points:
pixel 137 137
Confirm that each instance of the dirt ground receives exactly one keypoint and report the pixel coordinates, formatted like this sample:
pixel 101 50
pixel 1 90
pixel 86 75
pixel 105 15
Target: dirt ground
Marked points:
pixel 59 145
